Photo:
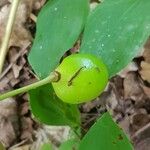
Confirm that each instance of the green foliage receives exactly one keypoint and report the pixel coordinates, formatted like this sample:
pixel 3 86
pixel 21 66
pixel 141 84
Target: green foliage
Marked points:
pixel 1 146
pixel 48 109
pixel 59 25
pixel 46 146
pixel 105 135
pixel 71 144
pixel 116 30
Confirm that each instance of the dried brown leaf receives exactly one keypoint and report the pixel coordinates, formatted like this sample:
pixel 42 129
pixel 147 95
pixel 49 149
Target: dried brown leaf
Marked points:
pixel 143 144
pixel 139 120
pixel 145 65
pixel 146 90
pixel 3 2
pixel 7 132
pixel 132 88
pixel 8 107
pixel 146 53
pixel 20 34
pixel 145 71
pixel 23 147
pixel 130 67
pixel 124 124
pixel 27 128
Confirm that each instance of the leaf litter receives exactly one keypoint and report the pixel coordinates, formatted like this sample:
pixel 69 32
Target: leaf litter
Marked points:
pixel 127 95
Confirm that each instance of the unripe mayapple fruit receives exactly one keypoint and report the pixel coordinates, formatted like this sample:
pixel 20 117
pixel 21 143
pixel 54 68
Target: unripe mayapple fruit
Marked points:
pixel 82 78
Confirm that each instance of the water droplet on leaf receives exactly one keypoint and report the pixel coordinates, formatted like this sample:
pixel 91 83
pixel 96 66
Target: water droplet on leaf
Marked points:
pixel 96 31
pixel 55 8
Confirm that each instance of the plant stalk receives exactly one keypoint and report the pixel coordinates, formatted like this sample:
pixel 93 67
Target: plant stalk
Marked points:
pixel 11 19
pixel 53 77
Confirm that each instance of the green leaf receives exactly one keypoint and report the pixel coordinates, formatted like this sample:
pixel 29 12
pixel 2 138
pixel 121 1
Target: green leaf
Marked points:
pixel 71 144
pixel 46 146
pixel 1 146
pixel 48 109
pixel 59 25
pixel 105 135
pixel 116 30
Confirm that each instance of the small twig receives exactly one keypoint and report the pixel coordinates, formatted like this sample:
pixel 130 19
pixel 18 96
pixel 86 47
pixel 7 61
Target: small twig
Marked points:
pixel 8 31
pixel 90 120
pixel 140 131
pixel 19 144
pixel 33 17
pixel 21 53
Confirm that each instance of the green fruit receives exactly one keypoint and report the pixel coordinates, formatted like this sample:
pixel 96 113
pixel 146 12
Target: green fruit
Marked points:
pixel 82 78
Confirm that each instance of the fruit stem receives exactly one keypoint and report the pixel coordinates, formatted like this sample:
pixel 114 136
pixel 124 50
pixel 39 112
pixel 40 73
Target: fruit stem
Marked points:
pixel 11 19
pixel 53 77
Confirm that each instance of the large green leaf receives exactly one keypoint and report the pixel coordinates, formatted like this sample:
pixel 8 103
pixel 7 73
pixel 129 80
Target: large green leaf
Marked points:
pixel 116 30
pixel 46 146
pixel 59 25
pixel 48 109
pixel 71 144
pixel 105 135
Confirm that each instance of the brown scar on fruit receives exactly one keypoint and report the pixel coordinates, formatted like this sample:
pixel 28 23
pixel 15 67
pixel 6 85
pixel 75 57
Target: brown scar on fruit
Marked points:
pixel 75 75
pixel 97 69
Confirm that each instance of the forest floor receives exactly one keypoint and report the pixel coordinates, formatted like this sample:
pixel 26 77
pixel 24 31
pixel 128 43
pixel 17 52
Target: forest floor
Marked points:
pixel 127 95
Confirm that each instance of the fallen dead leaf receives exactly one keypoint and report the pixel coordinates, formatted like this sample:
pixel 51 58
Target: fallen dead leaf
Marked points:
pixel 4 84
pixel 20 34
pixel 130 67
pixel 146 90
pixel 146 53
pixel 145 71
pixel 141 138
pixel 3 2
pixel 27 129
pixel 138 121
pixel 8 107
pixel 37 4
pixel 112 101
pixel 9 123
pixel 124 124
pixel 24 108
pixel 132 88
pixel 145 65
pixel 143 144
pixel 24 147
pixel 7 132
pixel 54 134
